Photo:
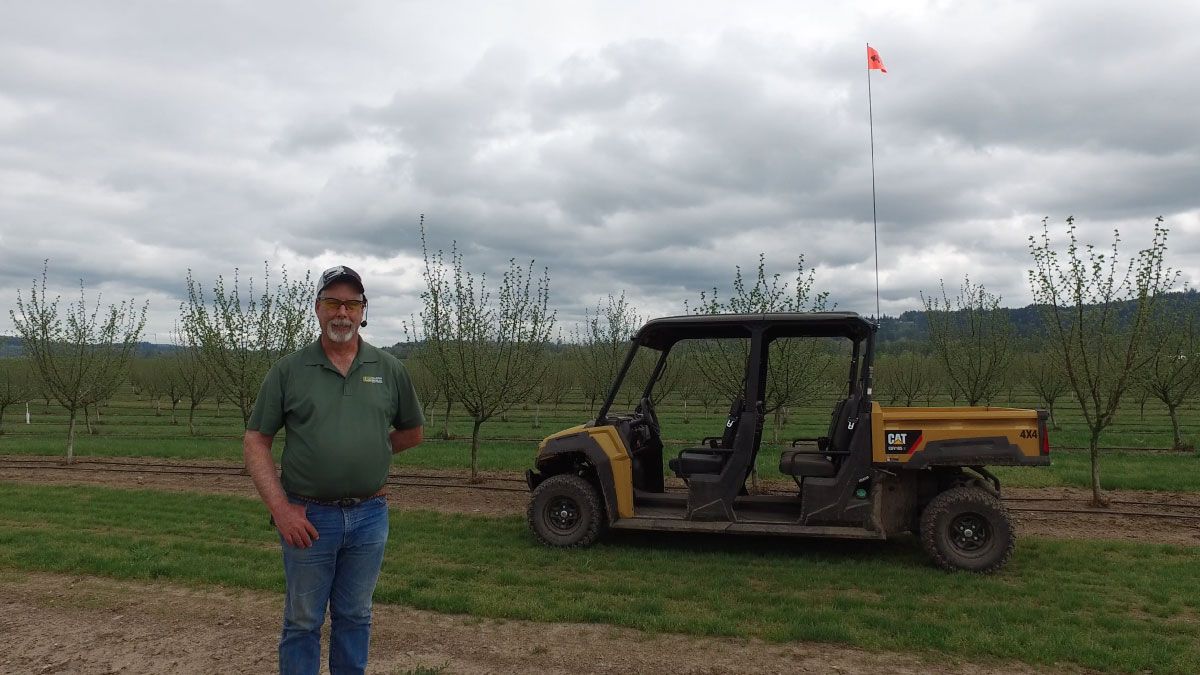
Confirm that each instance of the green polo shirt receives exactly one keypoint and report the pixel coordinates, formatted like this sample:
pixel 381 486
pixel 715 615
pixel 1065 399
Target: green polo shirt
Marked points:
pixel 337 427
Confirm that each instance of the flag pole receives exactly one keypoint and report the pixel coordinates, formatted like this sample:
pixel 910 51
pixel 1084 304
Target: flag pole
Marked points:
pixel 874 214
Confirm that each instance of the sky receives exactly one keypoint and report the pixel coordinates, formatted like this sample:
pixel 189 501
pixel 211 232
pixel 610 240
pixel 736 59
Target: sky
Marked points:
pixel 644 148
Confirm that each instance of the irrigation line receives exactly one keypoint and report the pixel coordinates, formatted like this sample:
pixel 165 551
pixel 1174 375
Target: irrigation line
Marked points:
pixel 460 486
pixel 422 481
pixel 1124 502
pixel 1090 512
pixel 49 463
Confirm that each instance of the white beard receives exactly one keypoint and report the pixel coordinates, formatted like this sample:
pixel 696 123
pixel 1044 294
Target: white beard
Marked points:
pixel 340 334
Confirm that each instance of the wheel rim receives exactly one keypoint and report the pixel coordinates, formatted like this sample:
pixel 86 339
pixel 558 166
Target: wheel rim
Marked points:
pixel 562 514
pixel 970 533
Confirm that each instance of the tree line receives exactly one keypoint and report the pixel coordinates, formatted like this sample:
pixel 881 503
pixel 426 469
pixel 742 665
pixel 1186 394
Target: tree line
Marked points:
pixel 1106 325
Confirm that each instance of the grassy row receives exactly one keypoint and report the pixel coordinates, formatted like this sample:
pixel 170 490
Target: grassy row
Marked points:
pixel 697 427
pixel 129 415
pixel 1110 606
pixel 1126 470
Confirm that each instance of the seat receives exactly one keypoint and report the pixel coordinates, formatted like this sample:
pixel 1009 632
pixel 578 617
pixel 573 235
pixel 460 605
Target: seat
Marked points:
pixel 807 464
pixel 711 457
pixel 800 464
pixel 699 460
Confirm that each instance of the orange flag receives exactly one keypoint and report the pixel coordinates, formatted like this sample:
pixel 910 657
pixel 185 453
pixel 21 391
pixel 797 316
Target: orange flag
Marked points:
pixel 873 60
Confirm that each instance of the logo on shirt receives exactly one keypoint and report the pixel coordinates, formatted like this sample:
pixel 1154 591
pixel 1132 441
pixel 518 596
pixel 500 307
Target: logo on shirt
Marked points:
pixel 372 379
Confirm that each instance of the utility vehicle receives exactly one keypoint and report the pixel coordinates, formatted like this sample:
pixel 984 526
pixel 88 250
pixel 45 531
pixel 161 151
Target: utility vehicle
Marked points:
pixel 878 472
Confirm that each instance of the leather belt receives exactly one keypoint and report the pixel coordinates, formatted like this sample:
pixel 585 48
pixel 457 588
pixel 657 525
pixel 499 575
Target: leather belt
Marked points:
pixel 344 502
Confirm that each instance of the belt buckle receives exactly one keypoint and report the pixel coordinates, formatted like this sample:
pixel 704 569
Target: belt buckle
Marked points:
pixel 346 502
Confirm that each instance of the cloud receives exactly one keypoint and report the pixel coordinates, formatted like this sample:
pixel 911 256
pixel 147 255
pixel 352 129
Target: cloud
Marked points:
pixel 651 152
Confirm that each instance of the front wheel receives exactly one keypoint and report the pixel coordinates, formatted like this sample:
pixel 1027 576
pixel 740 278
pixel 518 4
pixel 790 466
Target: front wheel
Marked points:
pixel 968 528
pixel 566 511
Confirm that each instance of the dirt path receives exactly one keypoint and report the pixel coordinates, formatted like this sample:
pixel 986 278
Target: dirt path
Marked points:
pixel 70 624
pixel 1096 524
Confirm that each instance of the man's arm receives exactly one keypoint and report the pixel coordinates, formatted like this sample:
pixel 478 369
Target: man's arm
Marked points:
pixel 289 518
pixel 402 440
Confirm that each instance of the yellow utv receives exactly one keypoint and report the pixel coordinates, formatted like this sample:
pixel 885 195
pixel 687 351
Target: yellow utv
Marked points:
pixel 877 473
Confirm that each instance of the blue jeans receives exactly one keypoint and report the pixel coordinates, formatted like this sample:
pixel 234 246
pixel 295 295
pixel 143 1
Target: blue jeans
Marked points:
pixel 339 570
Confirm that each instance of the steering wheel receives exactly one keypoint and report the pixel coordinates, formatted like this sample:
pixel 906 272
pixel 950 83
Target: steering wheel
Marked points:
pixel 651 417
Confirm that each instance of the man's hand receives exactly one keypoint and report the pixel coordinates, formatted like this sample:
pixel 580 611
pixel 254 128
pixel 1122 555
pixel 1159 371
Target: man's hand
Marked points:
pixel 289 518
pixel 293 525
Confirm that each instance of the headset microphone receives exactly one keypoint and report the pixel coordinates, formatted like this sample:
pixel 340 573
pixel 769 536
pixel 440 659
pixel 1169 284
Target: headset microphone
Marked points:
pixel 363 323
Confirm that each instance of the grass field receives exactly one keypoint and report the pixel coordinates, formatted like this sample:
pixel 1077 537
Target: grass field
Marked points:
pixel 129 415
pixel 1121 469
pixel 1110 606
pixel 130 426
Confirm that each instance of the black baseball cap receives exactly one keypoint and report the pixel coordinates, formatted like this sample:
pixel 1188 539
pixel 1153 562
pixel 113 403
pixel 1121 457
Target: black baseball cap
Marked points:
pixel 340 273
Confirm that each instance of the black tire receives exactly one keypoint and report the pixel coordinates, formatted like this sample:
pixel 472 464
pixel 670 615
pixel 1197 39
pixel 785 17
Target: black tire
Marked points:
pixel 968 528
pixel 566 511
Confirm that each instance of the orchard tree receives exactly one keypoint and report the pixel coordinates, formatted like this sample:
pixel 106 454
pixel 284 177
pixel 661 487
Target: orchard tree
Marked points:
pixel 493 348
pixel 434 380
pixel 1097 312
pixel 973 338
pixel 1173 375
pixel 16 385
pixel 238 339
pixel 178 376
pixel 1043 373
pixel 429 388
pixel 670 378
pixel 143 376
pixel 194 382
pixel 554 385
pixel 603 341
pixel 796 367
pixel 82 355
pixel 908 377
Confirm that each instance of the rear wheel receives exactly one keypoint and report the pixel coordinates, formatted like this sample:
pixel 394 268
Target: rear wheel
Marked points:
pixel 968 528
pixel 566 511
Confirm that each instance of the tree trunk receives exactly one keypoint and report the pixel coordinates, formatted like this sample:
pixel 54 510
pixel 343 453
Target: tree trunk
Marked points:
pixel 1053 419
pixel 537 413
pixel 71 438
pixel 1171 409
pixel 446 422
pixel 1098 499
pixel 475 451
pixel 87 420
pixel 778 422
pixel 174 417
pixel 685 417
pixel 157 406
pixel 2 407
pixel 192 419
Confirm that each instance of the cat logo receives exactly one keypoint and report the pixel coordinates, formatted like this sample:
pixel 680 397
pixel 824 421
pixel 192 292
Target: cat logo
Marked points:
pixel 902 441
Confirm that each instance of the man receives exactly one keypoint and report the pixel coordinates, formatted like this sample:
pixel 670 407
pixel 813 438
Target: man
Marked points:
pixel 336 398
